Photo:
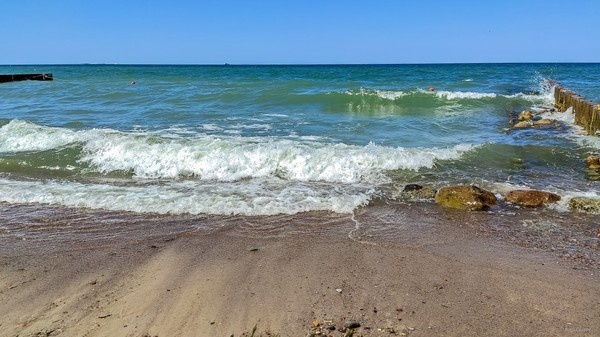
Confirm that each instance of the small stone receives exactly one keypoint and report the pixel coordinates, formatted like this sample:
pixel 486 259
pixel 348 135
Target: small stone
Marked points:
pixel 412 187
pixel 351 325
pixel 525 115
pixel 523 124
pixel 531 198
pixel 330 327
pixel 543 122
pixel 593 162
pixel 339 290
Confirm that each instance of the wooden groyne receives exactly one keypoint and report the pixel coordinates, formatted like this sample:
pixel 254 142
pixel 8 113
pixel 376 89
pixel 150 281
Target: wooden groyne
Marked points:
pixel 25 77
pixel 587 113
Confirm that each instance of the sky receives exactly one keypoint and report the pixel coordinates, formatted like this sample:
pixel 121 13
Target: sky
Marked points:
pixel 298 32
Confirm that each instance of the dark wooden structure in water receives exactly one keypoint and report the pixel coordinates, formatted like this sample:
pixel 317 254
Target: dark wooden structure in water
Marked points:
pixel 587 113
pixel 25 77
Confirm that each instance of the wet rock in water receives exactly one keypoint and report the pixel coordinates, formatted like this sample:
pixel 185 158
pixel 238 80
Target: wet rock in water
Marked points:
pixel 586 205
pixel 523 124
pixel 465 197
pixel 531 198
pixel 351 325
pixel 410 192
pixel 543 122
pixel 412 187
pixel 593 162
pixel 525 116
pixel 417 192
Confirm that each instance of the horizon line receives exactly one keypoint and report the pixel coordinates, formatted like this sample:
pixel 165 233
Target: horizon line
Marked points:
pixel 292 64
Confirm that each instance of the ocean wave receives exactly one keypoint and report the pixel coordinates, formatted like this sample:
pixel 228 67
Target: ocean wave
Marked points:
pixel 152 155
pixel 237 158
pixel 22 136
pixel 395 95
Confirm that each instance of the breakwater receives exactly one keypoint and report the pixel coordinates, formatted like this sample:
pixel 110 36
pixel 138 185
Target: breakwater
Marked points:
pixel 587 113
pixel 26 77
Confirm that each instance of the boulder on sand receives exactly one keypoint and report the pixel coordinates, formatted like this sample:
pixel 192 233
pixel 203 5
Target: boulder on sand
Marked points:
pixel 467 197
pixel 531 198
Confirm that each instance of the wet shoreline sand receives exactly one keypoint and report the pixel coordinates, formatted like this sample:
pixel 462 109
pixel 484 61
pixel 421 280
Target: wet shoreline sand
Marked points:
pixel 405 269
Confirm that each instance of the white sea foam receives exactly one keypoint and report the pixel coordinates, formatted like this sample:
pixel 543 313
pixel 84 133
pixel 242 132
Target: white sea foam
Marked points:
pixel 577 133
pixel 21 136
pixel 385 94
pixel 236 158
pixel 152 155
pixel 199 173
pixel 566 196
pixel 254 197
pixel 390 94
pixel 545 97
pixel 452 95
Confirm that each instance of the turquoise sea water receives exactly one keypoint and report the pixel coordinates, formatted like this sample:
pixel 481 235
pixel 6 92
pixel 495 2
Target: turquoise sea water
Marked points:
pixel 264 140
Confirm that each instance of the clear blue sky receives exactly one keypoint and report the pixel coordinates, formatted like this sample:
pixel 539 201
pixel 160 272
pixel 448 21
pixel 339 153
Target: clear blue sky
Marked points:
pixel 307 31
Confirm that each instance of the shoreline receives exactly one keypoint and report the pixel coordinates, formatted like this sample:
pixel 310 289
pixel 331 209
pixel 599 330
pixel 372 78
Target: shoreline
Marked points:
pixel 400 270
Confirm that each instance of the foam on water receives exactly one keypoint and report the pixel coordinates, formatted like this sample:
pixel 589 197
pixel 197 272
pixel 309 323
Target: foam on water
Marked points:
pixel 393 95
pixel 206 157
pixel 452 95
pixel 236 158
pixel 252 197
pixel 563 204
pixel 21 136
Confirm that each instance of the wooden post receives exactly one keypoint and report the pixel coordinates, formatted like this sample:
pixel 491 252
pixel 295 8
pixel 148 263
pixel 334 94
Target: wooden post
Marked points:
pixel 587 113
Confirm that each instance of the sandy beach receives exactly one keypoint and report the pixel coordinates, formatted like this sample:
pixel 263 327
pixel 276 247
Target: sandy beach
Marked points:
pixel 443 273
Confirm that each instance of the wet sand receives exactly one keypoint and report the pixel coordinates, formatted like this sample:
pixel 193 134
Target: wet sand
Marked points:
pixel 397 270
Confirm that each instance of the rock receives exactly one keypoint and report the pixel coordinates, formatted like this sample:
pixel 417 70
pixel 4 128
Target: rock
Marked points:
pixel 583 204
pixel 330 327
pixel 531 198
pixel 523 124
pixel 525 115
pixel 593 162
pixel 410 192
pixel 543 122
pixel 465 197
pixel 412 187
pixel 415 192
pixel 351 325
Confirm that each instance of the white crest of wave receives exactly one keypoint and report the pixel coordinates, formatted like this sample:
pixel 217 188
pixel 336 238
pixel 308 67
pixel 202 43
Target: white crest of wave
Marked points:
pixel 236 158
pixel 452 95
pixel 384 94
pixel 164 155
pixel 21 136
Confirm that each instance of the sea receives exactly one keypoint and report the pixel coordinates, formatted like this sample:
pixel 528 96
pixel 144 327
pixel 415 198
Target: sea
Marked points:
pixel 264 141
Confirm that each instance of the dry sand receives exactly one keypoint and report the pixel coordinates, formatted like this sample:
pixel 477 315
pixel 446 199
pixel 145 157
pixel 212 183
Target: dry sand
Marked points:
pixel 225 281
